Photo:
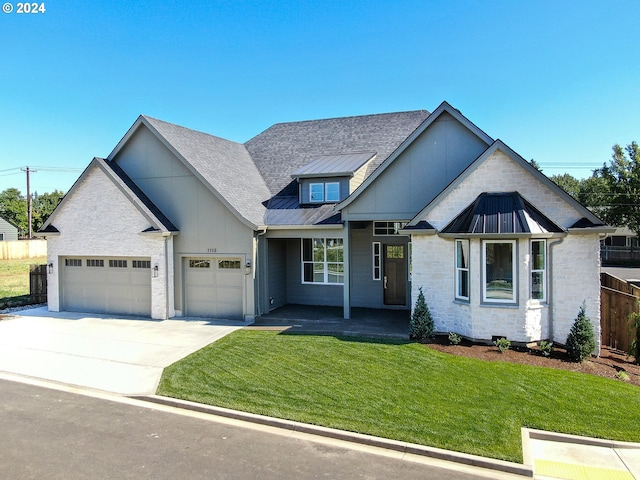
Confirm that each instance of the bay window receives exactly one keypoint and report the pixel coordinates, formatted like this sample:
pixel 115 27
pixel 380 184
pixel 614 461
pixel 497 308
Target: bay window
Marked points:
pixel 539 270
pixel 462 269
pixel 499 271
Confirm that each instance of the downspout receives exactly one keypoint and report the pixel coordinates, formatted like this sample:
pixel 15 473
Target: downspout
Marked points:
pixel 550 300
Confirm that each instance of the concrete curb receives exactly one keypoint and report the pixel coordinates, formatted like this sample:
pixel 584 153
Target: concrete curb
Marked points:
pixel 403 447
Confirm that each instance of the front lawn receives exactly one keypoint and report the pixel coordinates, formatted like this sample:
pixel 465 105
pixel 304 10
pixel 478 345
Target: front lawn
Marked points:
pixel 403 391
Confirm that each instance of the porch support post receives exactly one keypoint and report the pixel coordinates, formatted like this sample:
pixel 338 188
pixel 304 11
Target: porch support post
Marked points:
pixel 347 273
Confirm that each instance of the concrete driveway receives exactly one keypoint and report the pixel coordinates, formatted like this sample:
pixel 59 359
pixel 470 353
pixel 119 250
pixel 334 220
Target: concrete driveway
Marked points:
pixel 117 354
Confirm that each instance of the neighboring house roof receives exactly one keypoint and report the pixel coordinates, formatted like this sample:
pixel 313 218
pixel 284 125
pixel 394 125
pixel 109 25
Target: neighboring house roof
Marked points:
pixel 342 165
pixel 285 148
pixel 159 222
pixel 500 213
pixel 9 222
pixel 224 166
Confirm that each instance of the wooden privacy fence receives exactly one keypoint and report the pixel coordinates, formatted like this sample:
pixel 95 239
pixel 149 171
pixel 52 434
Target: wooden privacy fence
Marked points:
pixel 38 283
pixel 21 249
pixel 618 300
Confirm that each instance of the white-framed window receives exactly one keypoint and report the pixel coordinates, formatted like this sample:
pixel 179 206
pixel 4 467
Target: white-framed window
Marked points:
pixel 1 237
pixel 72 262
pixel 499 271
pixel 332 192
pixel 387 228
pixel 323 260
pixel 141 263
pixel 539 270
pixel 462 270
pixel 324 192
pixel 117 263
pixel 377 267
pixel 95 262
pixel 316 192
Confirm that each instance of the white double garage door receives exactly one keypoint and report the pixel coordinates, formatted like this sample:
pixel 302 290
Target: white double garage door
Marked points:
pixel 213 287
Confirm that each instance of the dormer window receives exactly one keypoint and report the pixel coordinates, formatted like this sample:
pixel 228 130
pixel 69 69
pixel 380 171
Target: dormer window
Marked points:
pixel 324 192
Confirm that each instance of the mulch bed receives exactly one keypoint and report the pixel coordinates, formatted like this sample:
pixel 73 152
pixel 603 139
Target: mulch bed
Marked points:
pixel 608 364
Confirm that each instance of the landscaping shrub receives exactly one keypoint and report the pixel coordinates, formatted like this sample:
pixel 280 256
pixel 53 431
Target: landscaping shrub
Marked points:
pixel 581 341
pixel 454 338
pixel 635 343
pixel 421 325
pixel 546 348
pixel 503 344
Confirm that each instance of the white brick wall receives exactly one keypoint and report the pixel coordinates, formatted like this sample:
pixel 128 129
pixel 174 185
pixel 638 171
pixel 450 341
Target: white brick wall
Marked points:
pixel 573 271
pixel 98 220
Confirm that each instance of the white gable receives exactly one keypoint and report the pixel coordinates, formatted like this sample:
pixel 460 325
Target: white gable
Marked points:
pixel 499 173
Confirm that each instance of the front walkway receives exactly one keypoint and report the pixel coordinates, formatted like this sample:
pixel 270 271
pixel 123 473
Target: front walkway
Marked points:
pixel 364 322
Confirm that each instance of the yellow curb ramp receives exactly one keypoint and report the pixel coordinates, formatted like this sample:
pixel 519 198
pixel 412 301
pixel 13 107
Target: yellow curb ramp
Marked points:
pixel 570 471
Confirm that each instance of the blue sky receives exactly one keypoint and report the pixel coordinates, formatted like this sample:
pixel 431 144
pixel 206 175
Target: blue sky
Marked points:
pixel 558 81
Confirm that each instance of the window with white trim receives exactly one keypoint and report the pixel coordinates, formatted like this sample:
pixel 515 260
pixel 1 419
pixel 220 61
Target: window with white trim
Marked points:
pixel 72 262
pixel 377 268
pixel 141 263
pixel 332 192
pixel 95 262
pixel 462 270
pixel 117 263
pixel 539 270
pixel 499 271
pixel 323 260
pixel 324 192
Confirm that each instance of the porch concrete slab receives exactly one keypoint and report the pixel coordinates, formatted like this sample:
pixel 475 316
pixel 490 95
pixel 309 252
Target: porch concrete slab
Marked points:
pixel 364 322
pixel 117 354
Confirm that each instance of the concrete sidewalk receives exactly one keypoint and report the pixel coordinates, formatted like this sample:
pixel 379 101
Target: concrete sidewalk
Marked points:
pixel 570 457
pixel 117 354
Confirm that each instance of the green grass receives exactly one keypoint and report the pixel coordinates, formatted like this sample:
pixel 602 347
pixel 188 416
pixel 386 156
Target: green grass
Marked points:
pixel 403 391
pixel 14 279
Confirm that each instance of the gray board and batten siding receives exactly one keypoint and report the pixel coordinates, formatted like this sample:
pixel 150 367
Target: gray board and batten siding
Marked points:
pixel 182 196
pixel 438 156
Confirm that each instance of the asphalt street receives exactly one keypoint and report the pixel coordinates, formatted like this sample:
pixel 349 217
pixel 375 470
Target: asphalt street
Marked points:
pixel 58 434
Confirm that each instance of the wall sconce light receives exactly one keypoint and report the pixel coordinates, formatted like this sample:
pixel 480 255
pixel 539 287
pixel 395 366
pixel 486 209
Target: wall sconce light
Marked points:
pixel 247 267
pixel 155 271
pixel 50 268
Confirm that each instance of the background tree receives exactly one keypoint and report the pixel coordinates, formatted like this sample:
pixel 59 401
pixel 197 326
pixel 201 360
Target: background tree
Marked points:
pixel 43 206
pixel 622 177
pixel 568 183
pixel 13 207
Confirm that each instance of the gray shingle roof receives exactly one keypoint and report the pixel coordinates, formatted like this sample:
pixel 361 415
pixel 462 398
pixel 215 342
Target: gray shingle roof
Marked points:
pixel 286 147
pixel 225 165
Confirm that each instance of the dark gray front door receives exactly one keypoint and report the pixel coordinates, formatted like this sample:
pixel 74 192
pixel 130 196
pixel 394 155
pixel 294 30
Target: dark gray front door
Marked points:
pixel 395 275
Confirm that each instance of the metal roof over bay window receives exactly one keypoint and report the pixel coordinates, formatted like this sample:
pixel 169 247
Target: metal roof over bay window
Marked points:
pixel 501 213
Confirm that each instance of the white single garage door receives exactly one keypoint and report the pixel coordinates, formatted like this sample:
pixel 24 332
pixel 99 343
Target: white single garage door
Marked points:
pixel 213 287
pixel 117 285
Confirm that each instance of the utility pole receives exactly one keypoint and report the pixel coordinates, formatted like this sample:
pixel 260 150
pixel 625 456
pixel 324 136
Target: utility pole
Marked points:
pixel 28 170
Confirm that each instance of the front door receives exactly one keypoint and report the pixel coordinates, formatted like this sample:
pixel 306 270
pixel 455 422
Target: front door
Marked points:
pixel 395 275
